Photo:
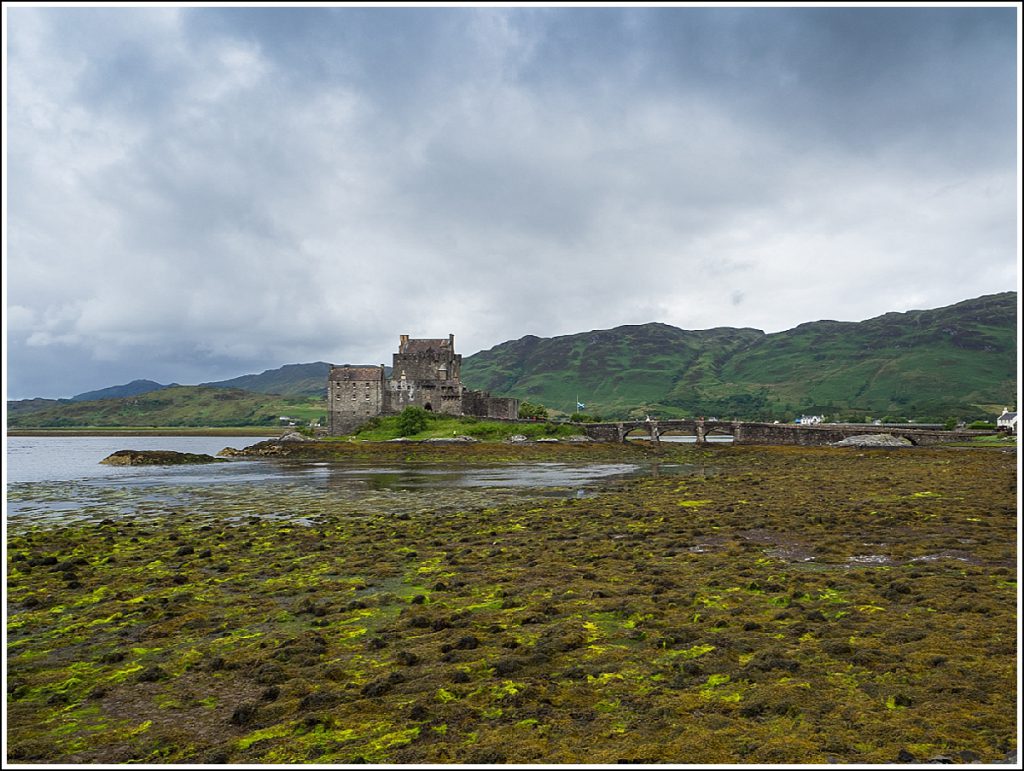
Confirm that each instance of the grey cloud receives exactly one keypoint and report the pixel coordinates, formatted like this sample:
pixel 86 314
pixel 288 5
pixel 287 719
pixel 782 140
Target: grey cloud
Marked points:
pixel 216 191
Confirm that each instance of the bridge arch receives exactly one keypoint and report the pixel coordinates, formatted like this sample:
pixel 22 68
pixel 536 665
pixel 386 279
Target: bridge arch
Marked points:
pixel 635 431
pixel 909 436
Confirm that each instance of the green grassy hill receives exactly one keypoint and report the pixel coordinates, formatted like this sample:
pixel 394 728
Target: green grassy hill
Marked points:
pixel 133 388
pixel 615 372
pixel 289 380
pixel 954 361
pixel 928 365
pixel 176 406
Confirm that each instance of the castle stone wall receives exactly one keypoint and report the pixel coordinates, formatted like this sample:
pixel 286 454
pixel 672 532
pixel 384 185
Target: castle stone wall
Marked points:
pixel 504 407
pixel 440 396
pixel 354 395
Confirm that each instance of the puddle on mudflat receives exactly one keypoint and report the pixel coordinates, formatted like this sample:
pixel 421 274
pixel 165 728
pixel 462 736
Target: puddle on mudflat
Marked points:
pixel 790 553
pixel 947 555
pixel 871 559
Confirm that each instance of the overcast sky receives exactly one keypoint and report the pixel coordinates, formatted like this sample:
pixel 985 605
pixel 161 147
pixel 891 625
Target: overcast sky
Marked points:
pixel 199 193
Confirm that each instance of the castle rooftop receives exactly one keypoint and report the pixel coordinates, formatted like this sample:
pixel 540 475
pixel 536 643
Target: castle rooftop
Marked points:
pixel 349 372
pixel 424 344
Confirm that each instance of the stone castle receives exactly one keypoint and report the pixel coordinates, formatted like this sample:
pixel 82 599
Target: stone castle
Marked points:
pixel 425 373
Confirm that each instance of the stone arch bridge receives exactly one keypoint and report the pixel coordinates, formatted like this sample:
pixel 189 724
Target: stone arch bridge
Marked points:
pixel 772 433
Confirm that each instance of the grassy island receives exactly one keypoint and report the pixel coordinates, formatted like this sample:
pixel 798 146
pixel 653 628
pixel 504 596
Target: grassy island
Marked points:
pixel 775 605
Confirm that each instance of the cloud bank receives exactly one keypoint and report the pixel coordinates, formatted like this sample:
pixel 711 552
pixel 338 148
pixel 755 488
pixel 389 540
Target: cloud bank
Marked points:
pixel 197 193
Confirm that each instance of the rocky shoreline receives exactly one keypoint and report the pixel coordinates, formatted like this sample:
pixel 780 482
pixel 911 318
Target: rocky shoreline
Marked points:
pixel 455 449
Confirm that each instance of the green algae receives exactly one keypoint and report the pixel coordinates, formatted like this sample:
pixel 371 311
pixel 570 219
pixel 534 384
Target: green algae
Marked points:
pixel 621 626
pixel 693 652
pixel 265 733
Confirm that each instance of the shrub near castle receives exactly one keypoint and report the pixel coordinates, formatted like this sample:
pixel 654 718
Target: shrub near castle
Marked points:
pixel 412 420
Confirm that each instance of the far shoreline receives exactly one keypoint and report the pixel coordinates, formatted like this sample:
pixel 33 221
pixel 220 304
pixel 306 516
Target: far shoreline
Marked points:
pixel 150 431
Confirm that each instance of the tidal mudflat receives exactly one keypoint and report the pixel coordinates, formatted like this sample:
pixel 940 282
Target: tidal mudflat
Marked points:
pixel 785 605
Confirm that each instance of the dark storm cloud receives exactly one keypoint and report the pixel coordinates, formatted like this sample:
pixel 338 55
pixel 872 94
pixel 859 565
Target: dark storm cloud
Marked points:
pixel 212 191
pixel 854 74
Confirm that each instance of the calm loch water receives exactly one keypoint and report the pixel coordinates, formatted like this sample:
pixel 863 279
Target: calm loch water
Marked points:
pixel 63 458
pixel 62 478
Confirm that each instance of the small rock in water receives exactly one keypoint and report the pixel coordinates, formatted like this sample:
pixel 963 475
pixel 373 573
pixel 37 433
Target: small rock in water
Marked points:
pixel 517 438
pixel 155 458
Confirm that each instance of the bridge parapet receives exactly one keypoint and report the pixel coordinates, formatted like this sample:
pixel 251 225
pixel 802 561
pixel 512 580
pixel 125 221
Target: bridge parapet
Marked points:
pixel 774 433
pixel 788 433
pixel 603 432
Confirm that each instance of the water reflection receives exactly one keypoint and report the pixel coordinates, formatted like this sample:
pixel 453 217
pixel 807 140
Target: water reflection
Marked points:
pixel 683 438
pixel 412 476
pixel 261 487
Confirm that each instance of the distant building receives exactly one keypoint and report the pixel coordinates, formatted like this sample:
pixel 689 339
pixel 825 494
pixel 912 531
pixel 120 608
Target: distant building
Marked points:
pixel 425 373
pixel 1007 420
pixel 810 420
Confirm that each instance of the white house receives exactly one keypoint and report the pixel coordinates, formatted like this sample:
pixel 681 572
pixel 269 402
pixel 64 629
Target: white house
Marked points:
pixel 1007 420
pixel 810 420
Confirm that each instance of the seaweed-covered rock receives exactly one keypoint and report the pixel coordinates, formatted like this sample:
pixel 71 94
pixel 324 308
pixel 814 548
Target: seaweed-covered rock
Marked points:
pixel 506 665
pixel 244 714
pixel 156 458
pixel 319 700
pixel 152 674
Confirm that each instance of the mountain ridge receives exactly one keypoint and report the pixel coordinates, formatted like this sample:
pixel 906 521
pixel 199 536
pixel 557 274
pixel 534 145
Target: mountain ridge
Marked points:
pixel 134 388
pixel 959 359
pixel 287 380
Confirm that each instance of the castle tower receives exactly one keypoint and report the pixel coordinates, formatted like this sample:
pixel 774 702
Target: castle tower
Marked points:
pixel 427 373
pixel 354 395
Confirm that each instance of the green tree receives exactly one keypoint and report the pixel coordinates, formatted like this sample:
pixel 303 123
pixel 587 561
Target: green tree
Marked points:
pixel 530 410
pixel 894 419
pixel 412 420
pixel 950 424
